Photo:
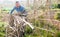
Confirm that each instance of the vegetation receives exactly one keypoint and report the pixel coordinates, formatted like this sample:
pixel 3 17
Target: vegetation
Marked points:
pixel 58 34
pixel 41 33
pixel 42 28
pixel 34 33
pixel 2 29
pixel 57 16
pixel 56 6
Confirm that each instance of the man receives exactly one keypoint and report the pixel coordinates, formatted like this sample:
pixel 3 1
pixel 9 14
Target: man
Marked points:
pixel 20 10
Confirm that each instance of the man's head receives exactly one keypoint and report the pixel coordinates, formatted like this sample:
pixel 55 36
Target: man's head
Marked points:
pixel 17 4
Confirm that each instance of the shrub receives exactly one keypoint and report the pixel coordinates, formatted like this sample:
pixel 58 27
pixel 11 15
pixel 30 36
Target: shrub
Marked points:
pixel 57 16
pixel 54 6
pixel 2 31
pixel 58 6
pixel 58 34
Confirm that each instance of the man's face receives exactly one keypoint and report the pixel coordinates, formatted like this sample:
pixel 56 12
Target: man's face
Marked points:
pixel 17 4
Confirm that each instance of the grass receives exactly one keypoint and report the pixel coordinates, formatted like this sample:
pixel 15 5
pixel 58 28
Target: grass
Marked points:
pixel 2 29
pixel 2 23
pixel 33 33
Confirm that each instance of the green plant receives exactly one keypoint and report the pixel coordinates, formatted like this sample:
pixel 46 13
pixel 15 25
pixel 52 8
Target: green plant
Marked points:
pixel 2 31
pixel 54 6
pixel 0 17
pixel 58 34
pixel 58 6
pixel 57 16
pixel 28 30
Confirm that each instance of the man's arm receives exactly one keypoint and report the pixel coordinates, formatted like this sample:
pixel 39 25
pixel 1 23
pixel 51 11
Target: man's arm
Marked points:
pixel 22 9
pixel 12 10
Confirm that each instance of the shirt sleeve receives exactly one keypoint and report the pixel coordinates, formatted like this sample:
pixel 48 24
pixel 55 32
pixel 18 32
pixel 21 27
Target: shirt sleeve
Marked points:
pixel 23 9
pixel 12 10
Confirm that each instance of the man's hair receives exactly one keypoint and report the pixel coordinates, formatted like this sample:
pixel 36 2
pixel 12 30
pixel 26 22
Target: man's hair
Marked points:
pixel 17 1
